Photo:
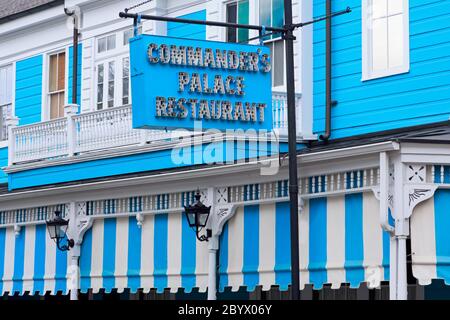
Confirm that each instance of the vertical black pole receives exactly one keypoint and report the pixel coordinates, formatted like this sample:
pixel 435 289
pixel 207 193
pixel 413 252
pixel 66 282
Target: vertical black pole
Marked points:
pixel 292 137
pixel 75 63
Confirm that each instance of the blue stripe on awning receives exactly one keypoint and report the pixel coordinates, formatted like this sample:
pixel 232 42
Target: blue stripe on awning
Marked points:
pixel 354 250
pixel 442 224
pixel 85 262
pixel 188 256
pixel 2 256
pixel 109 254
pixel 39 258
pixel 318 242
pixel 161 234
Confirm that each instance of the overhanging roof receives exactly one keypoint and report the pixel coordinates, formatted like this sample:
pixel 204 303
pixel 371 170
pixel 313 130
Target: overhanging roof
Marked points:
pixel 14 9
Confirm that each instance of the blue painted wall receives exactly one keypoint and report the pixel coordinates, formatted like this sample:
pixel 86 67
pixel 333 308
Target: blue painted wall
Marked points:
pixel 3 163
pixel 29 90
pixel 182 30
pixel 69 99
pixel 421 96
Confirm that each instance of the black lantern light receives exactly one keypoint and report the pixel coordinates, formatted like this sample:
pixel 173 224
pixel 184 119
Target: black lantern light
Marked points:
pixel 197 215
pixel 57 228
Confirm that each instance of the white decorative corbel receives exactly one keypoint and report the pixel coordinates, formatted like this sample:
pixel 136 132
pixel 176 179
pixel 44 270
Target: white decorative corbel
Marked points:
pixel 221 215
pixel 376 193
pixel 417 193
pixel 221 210
pixel 79 222
pixel 416 189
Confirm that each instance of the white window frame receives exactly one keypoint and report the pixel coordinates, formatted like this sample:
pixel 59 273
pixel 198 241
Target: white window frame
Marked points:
pixel 367 50
pixel 282 88
pixel 45 112
pixel 117 56
pixel 225 6
pixel 4 143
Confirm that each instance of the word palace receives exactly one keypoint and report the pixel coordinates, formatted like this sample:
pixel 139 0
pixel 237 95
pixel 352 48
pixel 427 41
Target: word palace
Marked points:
pixel 215 89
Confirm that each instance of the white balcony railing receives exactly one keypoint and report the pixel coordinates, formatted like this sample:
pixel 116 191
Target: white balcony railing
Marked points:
pixel 95 131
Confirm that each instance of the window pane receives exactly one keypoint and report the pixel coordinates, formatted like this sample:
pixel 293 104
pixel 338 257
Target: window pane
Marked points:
pixel 379 8
pixel 127 36
pixel 111 42
pixel 396 49
pixel 101 73
pixel 61 104
pixel 100 79
pixel 243 18
pixel 379 45
pixel 277 13
pixel 100 95
pixel 265 12
pixel 278 63
pixel 126 81
pixel 54 105
pixel 61 71
pixel 5 111
pixel 232 18
pixel 111 84
pixel 101 45
pixel 395 6
pixel 53 73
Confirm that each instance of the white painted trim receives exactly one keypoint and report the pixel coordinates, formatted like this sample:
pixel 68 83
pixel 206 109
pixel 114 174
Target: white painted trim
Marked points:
pixel 45 100
pixel 13 96
pixel 367 73
pixel 349 152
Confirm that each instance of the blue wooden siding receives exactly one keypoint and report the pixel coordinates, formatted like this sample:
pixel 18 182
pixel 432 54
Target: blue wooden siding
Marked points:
pixel 29 90
pixel 421 96
pixel 69 99
pixel 181 30
pixel 3 163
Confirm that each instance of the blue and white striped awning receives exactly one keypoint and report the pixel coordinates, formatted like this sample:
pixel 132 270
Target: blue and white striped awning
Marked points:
pixel 30 262
pixel 163 253
pixel 430 238
pixel 341 241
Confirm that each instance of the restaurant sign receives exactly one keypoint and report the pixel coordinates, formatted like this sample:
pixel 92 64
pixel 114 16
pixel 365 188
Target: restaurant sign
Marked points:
pixel 176 82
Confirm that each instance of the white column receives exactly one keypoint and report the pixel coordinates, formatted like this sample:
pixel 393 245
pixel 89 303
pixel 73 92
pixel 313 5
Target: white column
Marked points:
pixel 401 230
pixel 402 280
pixel 11 123
pixel 213 246
pixel 70 111
pixel 393 269
pixel 73 271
